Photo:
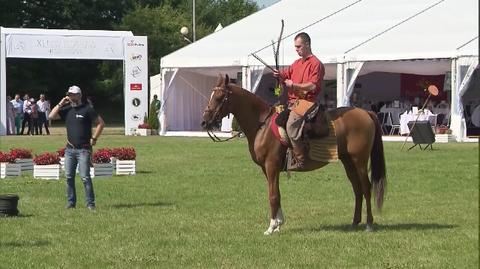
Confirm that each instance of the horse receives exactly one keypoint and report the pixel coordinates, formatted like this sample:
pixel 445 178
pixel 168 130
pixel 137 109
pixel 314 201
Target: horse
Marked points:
pixel 358 134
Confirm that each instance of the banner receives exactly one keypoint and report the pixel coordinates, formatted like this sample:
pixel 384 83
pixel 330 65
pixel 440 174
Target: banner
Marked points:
pixel 64 47
pixel 136 82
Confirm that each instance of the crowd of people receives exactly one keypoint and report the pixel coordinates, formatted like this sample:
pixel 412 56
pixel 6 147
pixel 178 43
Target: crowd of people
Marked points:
pixel 27 113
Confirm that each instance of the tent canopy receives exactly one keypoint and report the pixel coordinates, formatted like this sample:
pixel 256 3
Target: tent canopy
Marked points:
pixel 340 30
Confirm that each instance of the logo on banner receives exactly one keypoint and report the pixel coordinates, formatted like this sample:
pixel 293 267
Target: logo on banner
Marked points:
pixel 135 102
pixel 136 86
pixel 132 43
pixel 136 117
pixel 136 71
pixel 136 57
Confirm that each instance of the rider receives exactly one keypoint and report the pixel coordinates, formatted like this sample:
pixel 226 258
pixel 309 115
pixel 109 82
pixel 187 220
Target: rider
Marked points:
pixel 303 80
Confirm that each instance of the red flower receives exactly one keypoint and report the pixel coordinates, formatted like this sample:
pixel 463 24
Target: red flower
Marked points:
pixel 124 153
pixel 6 157
pixel 102 156
pixel 46 158
pixel 20 153
pixel 144 126
pixel 61 152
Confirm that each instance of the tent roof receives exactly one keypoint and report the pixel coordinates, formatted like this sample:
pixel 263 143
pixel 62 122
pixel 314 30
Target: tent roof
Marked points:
pixel 337 26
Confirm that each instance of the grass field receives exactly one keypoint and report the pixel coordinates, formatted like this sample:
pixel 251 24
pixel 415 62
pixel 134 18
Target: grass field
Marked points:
pixel 199 204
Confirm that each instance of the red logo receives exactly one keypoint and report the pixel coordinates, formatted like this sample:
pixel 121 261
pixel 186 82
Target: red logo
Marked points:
pixel 136 86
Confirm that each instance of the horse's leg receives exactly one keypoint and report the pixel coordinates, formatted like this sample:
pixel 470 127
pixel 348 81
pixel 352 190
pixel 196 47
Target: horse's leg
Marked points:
pixel 276 215
pixel 352 175
pixel 362 169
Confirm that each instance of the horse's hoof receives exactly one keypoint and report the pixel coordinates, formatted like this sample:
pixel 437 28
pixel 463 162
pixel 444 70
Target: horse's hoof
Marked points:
pixel 369 228
pixel 277 230
pixel 268 232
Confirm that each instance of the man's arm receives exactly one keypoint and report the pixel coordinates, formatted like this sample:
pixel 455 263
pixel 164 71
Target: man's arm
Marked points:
pixel 98 130
pixel 54 113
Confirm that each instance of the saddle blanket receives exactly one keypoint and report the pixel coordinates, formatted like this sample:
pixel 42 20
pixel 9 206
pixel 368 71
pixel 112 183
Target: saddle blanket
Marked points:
pixel 324 149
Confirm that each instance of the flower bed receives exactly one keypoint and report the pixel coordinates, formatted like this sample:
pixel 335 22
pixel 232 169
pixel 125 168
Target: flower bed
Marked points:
pixel 125 161
pixel 23 157
pixel 102 163
pixel 47 166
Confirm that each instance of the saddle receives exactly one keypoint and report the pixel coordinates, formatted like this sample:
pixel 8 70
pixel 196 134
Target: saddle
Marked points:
pixel 318 133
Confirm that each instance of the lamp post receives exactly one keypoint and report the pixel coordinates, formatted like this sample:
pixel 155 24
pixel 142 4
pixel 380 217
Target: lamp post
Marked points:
pixel 193 20
pixel 184 29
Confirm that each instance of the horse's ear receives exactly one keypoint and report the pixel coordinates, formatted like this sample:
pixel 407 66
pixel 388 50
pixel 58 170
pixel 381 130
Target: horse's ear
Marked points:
pixel 220 81
pixel 227 79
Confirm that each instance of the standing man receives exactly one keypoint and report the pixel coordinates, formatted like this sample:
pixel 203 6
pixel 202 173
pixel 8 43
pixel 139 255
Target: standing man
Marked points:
pixel 26 113
pixel 18 105
pixel 10 116
pixel 78 118
pixel 43 107
pixel 303 80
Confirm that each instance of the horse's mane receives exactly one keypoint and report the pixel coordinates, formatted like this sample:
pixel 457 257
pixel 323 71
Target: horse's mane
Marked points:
pixel 254 99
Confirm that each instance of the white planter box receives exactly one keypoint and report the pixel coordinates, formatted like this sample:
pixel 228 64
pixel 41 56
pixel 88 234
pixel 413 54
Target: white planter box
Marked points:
pixel 62 163
pixel 125 167
pixel 143 132
pixel 10 169
pixel 51 171
pixel 444 138
pixel 26 164
pixel 101 170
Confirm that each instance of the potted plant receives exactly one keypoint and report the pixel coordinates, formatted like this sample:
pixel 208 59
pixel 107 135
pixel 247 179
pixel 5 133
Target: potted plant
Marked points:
pixel 23 157
pixel 46 166
pixel 8 167
pixel 125 160
pixel 101 163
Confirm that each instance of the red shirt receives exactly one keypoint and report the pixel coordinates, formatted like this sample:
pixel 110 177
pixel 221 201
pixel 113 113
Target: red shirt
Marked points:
pixel 303 71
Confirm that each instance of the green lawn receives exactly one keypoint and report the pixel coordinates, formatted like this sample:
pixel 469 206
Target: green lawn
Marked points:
pixel 199 204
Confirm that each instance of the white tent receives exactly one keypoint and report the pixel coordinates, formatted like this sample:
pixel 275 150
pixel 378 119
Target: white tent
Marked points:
pixel 82 44
pixel 350 37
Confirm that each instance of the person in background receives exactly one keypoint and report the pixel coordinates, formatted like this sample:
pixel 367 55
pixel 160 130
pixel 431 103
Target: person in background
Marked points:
pixel 43 108
pixel 18 105
pixel 10 116
pixel 26 113
pixel 78 118
pixel 33 122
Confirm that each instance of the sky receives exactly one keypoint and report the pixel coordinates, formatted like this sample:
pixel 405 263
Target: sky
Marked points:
pixel 265 3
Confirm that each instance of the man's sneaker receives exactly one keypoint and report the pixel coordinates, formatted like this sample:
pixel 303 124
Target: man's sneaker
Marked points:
pixel 92 208
pixel 70 206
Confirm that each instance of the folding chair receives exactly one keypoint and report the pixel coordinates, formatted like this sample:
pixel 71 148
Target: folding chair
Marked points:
pixel 395 123
pixel 382 117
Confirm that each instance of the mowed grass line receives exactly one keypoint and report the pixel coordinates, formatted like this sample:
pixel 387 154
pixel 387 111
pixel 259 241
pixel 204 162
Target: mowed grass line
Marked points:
pixel 199 204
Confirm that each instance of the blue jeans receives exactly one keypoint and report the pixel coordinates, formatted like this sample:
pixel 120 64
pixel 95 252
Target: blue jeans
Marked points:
pixel 82 158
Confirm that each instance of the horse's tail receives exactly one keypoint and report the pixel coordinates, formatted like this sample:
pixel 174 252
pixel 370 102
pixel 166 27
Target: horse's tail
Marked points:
pixel 377 163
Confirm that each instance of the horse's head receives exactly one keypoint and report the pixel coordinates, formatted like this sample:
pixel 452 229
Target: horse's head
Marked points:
pixel 218 105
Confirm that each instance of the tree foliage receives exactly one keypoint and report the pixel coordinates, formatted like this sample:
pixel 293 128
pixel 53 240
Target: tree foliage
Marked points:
pixel 160 20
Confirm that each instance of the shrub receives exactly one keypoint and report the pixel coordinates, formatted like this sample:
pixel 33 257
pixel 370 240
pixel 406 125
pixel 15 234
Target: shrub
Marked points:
pixel 124 153
pixel 20 153
pixel 6 157
pixel 102 156
pixel 46 158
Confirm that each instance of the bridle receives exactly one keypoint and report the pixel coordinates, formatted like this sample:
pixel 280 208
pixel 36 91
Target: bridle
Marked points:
pixel 210 133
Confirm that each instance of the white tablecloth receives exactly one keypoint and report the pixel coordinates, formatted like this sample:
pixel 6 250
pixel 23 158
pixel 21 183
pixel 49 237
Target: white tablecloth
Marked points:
pixel 408 116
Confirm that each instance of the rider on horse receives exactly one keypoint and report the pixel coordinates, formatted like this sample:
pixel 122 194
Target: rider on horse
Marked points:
pixel 303 80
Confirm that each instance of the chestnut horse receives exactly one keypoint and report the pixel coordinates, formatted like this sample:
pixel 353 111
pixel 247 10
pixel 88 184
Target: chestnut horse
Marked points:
pixel 358 134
